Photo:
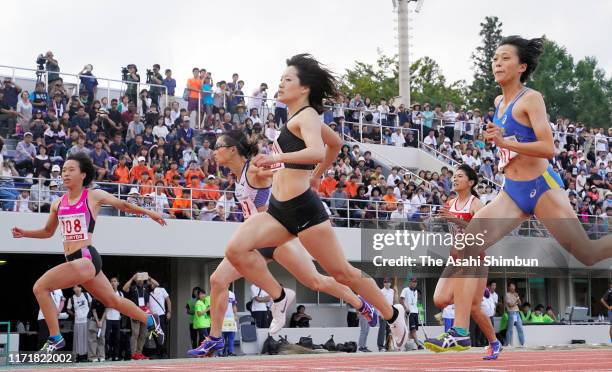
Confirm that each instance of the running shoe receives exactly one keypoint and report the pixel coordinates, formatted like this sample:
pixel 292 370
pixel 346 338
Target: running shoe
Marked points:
pixel 156 328
pixel 493 350
pixel 52 346
pixel 208 347
pixel 279 311
pixel 448 341
pixel 399 331
pixel 369 312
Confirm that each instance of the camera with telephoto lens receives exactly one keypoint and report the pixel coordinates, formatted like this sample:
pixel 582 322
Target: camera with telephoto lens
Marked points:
pixel 124 73
pixel 40 61
pixel 149 75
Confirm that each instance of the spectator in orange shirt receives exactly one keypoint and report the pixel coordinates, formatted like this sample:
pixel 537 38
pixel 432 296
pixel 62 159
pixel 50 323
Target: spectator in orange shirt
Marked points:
pixel 389 198
pixel 328 184
pixel 173 171
pixel 193 170
pixel 121 173
pixel 351 186
pixel 145 184
pixel 211 189
pixel 195 87
pixel 175 190
pixel 140 168
pixel 181 207
pixel 197 194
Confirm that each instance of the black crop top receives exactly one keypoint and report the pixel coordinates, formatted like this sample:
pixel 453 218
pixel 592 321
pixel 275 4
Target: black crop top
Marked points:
pixel 289 142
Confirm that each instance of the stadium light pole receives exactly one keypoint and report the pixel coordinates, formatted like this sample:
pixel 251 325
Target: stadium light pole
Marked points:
pixel 401 6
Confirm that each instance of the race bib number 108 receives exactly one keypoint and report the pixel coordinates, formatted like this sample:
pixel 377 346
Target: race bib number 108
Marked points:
pixel 73 227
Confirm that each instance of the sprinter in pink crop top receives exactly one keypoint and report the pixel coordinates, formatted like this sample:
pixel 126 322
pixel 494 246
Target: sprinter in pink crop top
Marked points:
pixel 76 214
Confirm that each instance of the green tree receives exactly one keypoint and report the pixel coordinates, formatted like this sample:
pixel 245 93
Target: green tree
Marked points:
pixel 592 94
pixel 376 82
pixel 554 78
pixel 428 84
pixel 484 89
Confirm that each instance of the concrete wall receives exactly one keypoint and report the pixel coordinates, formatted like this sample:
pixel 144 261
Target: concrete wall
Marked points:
pixel 408 157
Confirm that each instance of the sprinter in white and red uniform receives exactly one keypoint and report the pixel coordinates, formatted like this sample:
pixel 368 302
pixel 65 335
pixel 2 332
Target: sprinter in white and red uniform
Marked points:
pixel 76 213
pixel 253 188
pixel 458 212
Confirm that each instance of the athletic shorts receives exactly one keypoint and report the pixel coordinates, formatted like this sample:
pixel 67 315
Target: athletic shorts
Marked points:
pixel 527 193
pixel 192 104
pixel 90 253
pixel 300 213
pixel 413 321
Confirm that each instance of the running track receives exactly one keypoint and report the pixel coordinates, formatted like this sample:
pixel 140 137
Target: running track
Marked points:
pixel 571 360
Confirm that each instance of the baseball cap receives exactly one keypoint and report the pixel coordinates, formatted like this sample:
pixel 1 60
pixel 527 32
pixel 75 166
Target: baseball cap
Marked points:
pixel 27 134
pixel 141 158
pixel 56 168
pixel 446 139
pixel 457 144
pixel 53 183
pixel 361 158
pixel 210 177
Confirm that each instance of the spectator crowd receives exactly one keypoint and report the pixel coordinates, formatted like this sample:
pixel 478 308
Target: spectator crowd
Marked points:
pixel 164 151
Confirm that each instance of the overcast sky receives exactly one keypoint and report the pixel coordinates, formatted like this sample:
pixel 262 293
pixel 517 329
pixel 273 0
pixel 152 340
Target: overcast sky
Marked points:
pixel 254 38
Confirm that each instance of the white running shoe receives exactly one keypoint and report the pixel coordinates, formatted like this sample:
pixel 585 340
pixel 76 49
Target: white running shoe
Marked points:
pixel 399 331
pixel 279 311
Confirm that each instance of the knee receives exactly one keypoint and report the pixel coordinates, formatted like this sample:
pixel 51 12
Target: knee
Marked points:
pixel 39 288
pixel 315 282
pixel 217 281
pixel 441 301
pixel 346 275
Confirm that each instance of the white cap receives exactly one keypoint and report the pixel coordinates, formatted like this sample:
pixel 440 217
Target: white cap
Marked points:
pixel 141 158
pixel 133 191
pixel 361 158
pixel 446 139
pixel 457 144
pixel 53 183
pixel 56 168
pixel 210 177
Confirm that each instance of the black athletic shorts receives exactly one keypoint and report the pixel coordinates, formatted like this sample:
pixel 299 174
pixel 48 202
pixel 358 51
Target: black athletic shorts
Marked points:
pixel 300 213
pixel 90 253
pixel 413 321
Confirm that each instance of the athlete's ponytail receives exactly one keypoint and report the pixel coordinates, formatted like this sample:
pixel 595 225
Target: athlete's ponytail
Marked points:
pixel 528 51
pixel 239 139
pixel 471 175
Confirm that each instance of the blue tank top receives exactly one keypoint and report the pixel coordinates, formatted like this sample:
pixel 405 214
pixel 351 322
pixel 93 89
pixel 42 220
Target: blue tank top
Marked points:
pixel 511 127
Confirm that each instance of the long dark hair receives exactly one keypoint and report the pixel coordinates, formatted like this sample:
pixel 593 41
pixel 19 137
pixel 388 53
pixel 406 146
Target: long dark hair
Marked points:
pixel 528 50
pixel 239 139
pixel 471 175
pixel 319 79
pixel 85 166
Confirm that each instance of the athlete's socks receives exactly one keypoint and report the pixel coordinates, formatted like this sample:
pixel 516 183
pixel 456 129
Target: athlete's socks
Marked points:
pixel 58 337
pixel 394 316
pixel 150 321
pixel 461 331
pixel 281 297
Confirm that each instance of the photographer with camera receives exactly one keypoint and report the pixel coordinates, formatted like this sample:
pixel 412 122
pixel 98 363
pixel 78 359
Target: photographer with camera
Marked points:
pixel 154 77
pixel 131 78
pixel 138 290
pixel 51 66
pixel 88 82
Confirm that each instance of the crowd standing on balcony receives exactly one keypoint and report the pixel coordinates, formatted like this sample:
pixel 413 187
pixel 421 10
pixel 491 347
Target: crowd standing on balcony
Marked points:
pixel 164 151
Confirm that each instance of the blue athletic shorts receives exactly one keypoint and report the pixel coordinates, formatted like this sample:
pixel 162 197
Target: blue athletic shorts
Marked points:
pixel 527 193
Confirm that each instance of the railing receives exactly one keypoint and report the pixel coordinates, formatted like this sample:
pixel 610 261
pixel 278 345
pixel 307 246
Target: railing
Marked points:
pixel 344 212
pixel 77 83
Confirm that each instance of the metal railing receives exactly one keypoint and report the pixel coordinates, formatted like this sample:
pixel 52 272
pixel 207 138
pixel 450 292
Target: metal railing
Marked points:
pixel 344 212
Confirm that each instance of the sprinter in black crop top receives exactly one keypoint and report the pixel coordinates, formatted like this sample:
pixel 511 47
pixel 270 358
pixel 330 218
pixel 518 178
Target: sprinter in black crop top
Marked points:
pixel 296 210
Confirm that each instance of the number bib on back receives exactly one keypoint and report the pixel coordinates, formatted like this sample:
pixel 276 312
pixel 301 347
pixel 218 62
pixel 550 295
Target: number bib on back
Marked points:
pixel 73 227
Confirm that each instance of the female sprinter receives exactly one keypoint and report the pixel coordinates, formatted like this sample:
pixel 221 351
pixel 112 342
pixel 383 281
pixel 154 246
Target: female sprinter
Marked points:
pixel 521 131
pixel 459 211
pixel 253 186
pixel 295 210
pixel 76 212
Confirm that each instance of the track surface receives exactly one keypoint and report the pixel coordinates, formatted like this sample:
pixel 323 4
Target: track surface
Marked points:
pixel 569 360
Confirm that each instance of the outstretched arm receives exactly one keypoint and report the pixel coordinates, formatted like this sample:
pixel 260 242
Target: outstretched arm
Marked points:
pixel 103 197
pixel 44 233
